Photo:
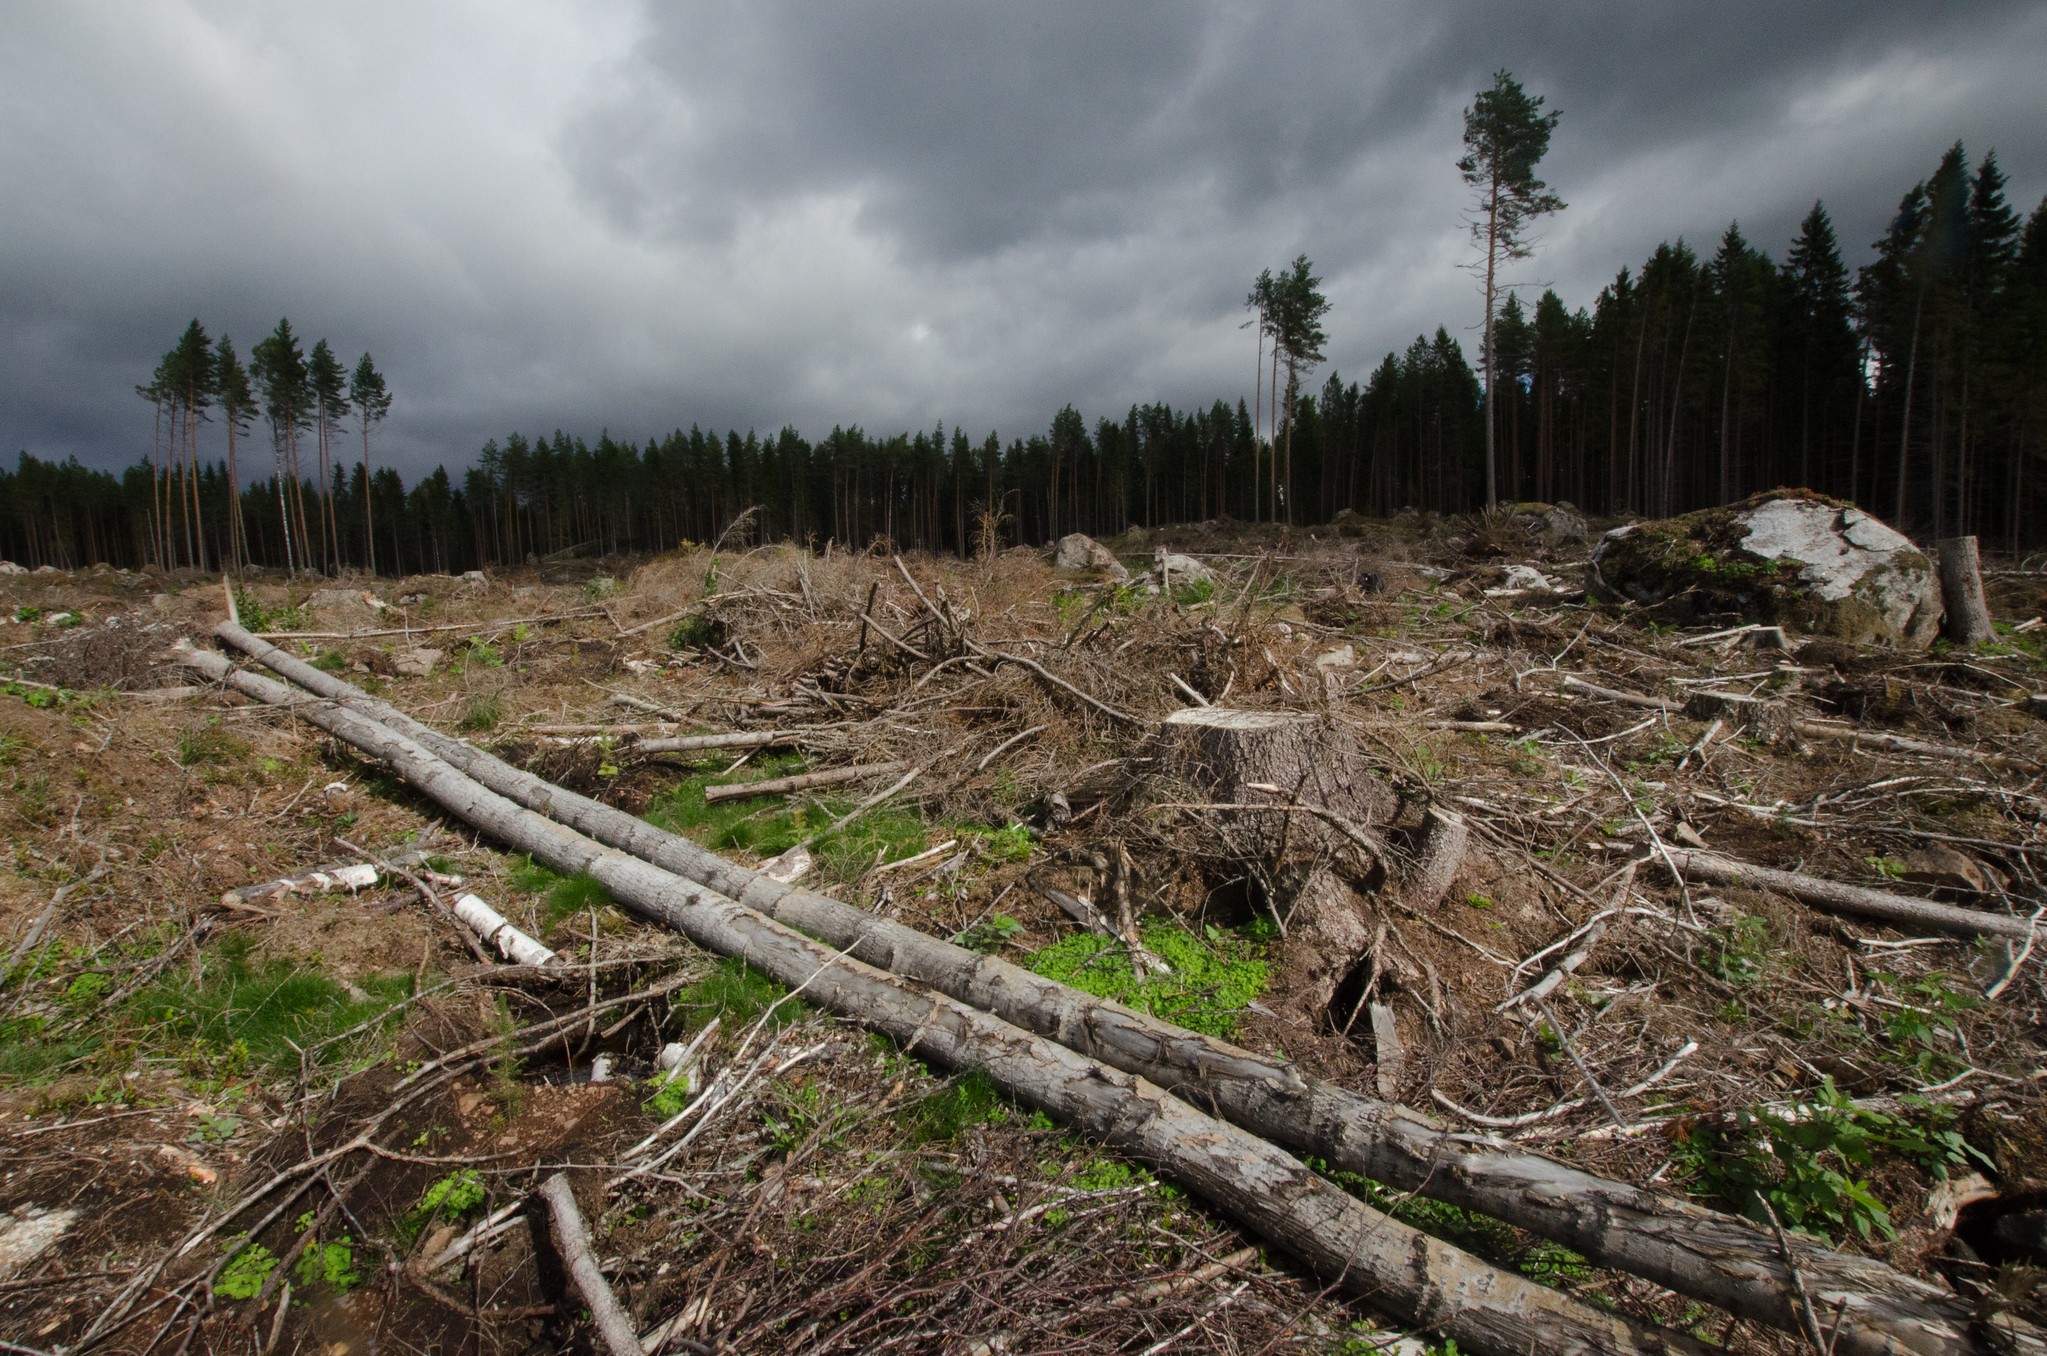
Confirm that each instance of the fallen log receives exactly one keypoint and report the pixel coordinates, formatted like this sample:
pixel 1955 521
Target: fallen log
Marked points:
pixel 349 876
pixel 1708 1255
pixel 782 786
pixel 1415 1277
pixel 572 1243
pixel 497 930
pixel 737 739
pixel 1835 897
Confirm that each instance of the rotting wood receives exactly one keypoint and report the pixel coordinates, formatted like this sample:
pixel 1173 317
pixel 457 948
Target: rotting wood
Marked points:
pixel 349 876
pixel 572 1242
pixel 1967 623
pixel 1708 1255
pixel 782 786
pixel 1836 897
pixel 1386 1050
pixel 1420 1279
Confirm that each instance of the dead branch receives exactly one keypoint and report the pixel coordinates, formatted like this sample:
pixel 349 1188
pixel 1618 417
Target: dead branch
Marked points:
pixel 572 1241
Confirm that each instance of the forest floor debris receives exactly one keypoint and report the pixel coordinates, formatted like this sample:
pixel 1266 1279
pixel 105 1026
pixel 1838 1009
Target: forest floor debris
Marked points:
pixel 163 1056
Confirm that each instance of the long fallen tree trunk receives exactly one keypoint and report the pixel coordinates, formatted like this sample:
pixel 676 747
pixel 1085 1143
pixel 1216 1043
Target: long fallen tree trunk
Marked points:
pixel 1708 1255
pixel 1836 897
pixel 1395 1268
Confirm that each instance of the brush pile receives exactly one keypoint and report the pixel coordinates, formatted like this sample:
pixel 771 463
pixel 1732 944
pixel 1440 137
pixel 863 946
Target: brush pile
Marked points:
pixel 1520 970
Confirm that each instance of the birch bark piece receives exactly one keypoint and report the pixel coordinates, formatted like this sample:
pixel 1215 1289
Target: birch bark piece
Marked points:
pixel 497 930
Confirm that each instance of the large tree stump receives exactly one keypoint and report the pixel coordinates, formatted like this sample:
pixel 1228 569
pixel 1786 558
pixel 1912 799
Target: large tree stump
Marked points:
pixel 1318 842
pixel 1961 589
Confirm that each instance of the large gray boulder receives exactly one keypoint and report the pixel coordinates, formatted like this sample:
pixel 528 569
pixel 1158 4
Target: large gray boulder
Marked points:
pixel 1078 551
pixel 1789 557
pixel 1558 524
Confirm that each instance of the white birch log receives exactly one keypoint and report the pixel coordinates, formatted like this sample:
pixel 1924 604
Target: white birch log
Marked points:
pixel 497 930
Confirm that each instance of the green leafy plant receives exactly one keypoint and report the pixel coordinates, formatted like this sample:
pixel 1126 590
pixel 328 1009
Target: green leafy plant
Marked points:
pixel 243 1276
pixel 1736 953
pixel 330 1264
pixel 453 1196
pixel 1802 1163
pixel 481 653
pixel 969 1100
pixel 990 936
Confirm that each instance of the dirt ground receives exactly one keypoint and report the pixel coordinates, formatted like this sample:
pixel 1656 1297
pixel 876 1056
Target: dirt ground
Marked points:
pixel 257 1126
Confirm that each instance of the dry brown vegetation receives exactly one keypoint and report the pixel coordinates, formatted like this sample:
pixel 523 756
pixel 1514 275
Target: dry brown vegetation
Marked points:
pixel 167 1058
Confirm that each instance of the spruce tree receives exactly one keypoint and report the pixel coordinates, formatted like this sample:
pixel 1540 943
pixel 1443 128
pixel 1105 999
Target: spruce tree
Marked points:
pixel 372 402
pixel 328 383
pixel 237 404
pixel 1506 134
pixel 280 370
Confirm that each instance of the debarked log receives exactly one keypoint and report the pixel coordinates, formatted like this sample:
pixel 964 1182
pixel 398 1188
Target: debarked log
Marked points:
pixel 1835 897
pixel 1708 1255
pixel 1395 1268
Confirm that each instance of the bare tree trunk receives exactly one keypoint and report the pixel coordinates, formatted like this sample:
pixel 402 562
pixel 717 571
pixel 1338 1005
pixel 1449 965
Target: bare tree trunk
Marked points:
pixel 1711 1256
pixel 1961 588
pixel 1415 1277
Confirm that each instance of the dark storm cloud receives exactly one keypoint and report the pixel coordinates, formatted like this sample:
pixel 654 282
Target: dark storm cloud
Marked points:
pixel 752 214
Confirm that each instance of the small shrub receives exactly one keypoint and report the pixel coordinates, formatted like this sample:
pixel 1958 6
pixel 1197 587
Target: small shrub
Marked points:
pixel 990 936
pixel 1737 953
pixel 453 1196
pixel 209 744
pixel 479 652
pixel 483 712
pixel 969 1100
pixel 738 995
pixel 329 1264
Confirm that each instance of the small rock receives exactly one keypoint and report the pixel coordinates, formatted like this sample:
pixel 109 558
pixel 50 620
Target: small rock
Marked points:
pixel 1342 657
pixel 1526 578
pixel 472 581
pixel 343 603
pixel 1557 524
pixel 9 567
pixel 1946 871
pixel 416 663
pixel 45 569
pixel 30 1234
pixel 1078 551
pixel 1184 570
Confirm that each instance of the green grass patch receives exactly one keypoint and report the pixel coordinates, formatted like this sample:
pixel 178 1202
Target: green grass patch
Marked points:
pixel 1211 982
pixel 767 828
pixel 240 1016
pixel 209 743
pixel 563 895
pixel 969 1100
pixel 738 995
pixel 482 713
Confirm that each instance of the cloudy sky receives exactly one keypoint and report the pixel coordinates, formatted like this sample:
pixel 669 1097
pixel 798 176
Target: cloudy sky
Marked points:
pixel 639 216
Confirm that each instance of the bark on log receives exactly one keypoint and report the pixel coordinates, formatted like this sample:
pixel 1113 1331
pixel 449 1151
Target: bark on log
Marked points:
pixel 782 786
pixel 1835 897
pixel 1438 855
pixel 738 739
pixel 1961 589
pixel 1710 1256
pixel 1419 1279
pixel 572 1242
pixel 497 930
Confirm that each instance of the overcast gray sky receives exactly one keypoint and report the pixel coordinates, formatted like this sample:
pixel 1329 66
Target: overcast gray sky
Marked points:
pixel 581 215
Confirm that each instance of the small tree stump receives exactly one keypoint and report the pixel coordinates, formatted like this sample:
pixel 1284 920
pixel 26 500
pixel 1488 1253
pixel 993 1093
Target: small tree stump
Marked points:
pixel 1961 589
pixel 1326 807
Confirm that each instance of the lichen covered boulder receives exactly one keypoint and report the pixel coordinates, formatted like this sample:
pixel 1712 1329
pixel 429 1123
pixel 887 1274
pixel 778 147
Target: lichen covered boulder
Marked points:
pixel 1558 524
pixel 1789 557
pixel 1078 551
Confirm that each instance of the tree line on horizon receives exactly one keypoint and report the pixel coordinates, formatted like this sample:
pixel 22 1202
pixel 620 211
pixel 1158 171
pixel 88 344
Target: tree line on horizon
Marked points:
pixel 1916 387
